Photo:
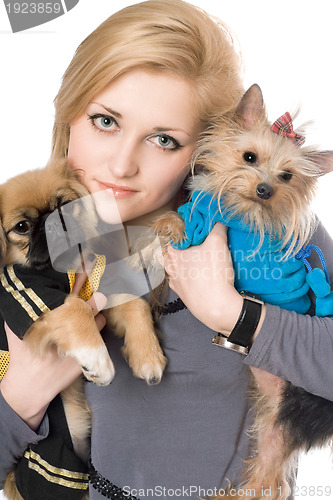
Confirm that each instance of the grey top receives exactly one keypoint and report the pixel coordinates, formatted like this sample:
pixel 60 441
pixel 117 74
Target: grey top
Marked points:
pixel 188 434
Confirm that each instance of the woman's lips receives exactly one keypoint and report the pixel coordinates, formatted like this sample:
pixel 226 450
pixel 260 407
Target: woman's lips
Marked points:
pixel 117 191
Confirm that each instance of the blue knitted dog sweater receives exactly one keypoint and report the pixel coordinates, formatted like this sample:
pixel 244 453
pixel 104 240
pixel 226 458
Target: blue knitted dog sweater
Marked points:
pixel 279 281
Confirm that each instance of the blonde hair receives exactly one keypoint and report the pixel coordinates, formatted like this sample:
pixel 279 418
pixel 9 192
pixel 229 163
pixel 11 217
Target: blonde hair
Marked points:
pixel 162 35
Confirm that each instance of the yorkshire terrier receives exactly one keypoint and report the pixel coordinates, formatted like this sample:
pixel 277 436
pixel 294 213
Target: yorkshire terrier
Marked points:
pixel 257 179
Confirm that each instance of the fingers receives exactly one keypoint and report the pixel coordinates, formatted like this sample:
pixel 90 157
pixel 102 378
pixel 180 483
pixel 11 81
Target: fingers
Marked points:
pixel 97 302
pixel 24 359
pixel 170 257
pixel 80 278
pixel 206 262
pixel 100 321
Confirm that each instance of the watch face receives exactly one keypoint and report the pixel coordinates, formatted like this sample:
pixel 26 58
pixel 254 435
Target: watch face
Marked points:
pixel 222 341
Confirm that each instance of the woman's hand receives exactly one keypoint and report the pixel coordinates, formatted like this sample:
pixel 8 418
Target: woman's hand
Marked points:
pixel 98 301
pixel 31 382
pixel 203 277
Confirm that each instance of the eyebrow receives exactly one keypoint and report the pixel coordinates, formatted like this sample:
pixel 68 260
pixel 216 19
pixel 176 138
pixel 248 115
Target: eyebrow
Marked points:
pixel 156 129
pixel 109 110
pixel 170 129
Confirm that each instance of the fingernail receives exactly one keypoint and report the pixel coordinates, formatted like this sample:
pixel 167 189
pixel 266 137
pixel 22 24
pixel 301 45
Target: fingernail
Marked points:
pixel 100 300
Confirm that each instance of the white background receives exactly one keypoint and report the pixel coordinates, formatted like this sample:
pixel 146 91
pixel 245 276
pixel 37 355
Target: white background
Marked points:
pixel 286 47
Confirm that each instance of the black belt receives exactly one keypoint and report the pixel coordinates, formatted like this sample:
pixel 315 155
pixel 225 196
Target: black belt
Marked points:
pixel 105 487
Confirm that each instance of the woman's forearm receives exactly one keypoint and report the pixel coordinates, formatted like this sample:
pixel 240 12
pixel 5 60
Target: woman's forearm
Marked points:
pixel 30 407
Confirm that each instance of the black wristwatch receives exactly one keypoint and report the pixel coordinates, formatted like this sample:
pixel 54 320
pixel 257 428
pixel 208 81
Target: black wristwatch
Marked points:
pixel 240 338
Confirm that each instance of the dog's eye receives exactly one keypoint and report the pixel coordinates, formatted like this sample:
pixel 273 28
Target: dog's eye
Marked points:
pixel 22 227
pixel 250 158
pixel 286 176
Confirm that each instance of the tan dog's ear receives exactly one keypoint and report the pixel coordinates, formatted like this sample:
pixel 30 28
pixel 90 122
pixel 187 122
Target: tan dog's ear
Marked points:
pixel 63 169
pixel 3 239
pixel 250 110
pixel 3 245
pixel 323 160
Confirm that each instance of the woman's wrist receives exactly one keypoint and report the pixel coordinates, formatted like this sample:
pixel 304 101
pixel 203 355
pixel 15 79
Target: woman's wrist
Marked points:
pixel 229 312
pixel 29 409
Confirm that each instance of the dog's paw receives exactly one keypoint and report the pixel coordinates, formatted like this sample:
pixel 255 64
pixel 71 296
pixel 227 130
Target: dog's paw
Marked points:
pixel 170 227
pixel 96 364
pixel 149 367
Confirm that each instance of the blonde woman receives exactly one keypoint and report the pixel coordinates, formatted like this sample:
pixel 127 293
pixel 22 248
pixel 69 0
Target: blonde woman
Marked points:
pixel 136 97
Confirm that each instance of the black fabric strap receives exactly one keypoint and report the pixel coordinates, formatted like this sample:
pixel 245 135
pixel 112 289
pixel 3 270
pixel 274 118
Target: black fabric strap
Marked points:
pixel 247 323
pixel 106 488
pixel 173 307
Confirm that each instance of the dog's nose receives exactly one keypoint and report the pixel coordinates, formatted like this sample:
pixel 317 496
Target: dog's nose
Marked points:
pixel 265 191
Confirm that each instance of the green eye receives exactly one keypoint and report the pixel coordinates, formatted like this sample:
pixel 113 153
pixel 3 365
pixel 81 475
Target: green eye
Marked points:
pixel 164 141
pixel 105 122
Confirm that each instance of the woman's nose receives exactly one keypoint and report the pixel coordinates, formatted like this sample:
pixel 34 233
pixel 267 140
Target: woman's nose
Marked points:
pixel 124 160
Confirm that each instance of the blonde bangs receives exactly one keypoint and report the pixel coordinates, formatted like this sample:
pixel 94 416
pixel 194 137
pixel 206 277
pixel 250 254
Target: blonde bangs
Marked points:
pixel 161 35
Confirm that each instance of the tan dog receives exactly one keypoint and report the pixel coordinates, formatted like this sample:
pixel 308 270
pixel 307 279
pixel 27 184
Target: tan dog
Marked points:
pixel 26 202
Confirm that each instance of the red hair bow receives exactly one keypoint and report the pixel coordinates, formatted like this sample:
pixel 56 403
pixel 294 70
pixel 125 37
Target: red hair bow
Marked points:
pixel 284 126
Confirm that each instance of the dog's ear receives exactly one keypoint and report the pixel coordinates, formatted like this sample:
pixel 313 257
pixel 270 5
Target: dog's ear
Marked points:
pixel 322 159
pixel 3 239
pixel 3 245
pixel 251 107
pixel 63 169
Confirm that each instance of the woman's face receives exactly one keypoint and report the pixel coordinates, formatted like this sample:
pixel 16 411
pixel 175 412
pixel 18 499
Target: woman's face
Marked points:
pixel 134 141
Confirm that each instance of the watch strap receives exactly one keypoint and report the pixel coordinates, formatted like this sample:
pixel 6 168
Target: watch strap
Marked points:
pixel 247 322
pixel 241 336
